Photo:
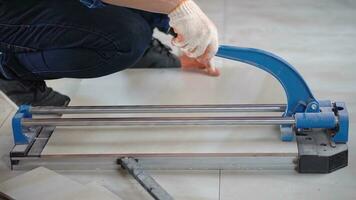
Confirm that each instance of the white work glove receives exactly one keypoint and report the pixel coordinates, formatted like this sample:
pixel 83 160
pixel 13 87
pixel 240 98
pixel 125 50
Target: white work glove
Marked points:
pixel 197 35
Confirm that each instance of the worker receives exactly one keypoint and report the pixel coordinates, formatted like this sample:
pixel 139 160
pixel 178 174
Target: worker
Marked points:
pixel 52 39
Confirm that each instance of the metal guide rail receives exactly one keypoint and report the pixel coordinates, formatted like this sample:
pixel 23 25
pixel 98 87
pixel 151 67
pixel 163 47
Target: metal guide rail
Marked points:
pixel 320 129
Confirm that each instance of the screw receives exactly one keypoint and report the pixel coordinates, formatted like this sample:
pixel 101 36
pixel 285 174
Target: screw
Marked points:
pixel 314 106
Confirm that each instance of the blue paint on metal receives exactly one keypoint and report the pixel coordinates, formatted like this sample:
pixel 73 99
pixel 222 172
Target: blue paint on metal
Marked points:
pixel 287 133
pixel 26 110
pixel 325 103
pixel 325 120
pixel 342 134
pixel 300 101
pixel 19 136
pixel 299 96
pixel 17 129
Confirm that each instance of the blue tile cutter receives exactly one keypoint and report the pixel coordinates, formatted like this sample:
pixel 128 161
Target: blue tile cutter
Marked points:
pixel 319 127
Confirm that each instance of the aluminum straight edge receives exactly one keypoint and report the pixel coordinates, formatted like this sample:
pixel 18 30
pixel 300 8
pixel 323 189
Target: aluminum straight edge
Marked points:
pixel 159 121
pixel 160 109
pixel 105 162
pixel 145 179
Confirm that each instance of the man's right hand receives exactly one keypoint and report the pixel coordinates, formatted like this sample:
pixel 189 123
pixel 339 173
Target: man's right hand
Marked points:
pixel 197 35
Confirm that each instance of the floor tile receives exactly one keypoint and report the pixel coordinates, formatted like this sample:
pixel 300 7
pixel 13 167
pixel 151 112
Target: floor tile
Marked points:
pixel 182 185
pixel 5 110
pixel 91 191
pixel 65 86
pixel 140 87
pixel 287 185
pixel 39 183
pixel 190 185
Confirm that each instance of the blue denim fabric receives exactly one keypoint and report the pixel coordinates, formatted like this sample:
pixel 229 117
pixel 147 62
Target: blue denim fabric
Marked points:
pixel 48 39
pixel 93 3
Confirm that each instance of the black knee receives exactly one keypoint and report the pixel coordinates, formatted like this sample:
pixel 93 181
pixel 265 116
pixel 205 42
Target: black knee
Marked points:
pixel 139 43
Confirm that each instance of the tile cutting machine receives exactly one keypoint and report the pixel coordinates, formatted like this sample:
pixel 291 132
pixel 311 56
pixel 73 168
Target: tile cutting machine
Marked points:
pixel 320 128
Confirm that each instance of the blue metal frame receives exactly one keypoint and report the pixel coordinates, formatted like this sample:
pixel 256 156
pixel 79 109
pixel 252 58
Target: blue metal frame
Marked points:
pixel 17 129
pixel 300 101
pixel 299 96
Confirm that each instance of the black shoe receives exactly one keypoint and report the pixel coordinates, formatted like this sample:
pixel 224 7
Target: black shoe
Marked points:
pixel 158 55
pixel 34 93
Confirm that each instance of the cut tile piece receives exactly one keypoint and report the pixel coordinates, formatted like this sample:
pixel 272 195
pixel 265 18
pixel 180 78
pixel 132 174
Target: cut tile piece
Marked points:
pixel 40 183
pixel 91 191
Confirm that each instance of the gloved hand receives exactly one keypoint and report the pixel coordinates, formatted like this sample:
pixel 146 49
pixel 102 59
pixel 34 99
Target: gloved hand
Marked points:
pixel 197 35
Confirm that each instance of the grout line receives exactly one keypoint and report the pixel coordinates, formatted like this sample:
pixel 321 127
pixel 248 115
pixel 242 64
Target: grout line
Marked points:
pixel 224 21
pixel 5 119
pixel 12 107
pixel 219 184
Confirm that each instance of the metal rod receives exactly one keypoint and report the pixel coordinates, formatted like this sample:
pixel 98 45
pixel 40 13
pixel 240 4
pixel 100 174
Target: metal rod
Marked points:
pixel 160 109
pixel 159 121
pixel 145 179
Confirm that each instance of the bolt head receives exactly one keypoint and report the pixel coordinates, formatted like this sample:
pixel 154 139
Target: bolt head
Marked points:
pixel 314 106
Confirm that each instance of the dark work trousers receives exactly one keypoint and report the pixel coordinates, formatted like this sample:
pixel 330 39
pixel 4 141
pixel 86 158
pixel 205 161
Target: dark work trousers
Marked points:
pixel 49 39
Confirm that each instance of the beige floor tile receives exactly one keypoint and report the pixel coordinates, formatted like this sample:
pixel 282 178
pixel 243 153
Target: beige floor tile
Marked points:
pixel 5 110
pixel 288 185
pixel 173 87
pixel 65 86
pixel 37 184
pixel 182 185
pixel 91 191
pixel 190 185
pixel 6 144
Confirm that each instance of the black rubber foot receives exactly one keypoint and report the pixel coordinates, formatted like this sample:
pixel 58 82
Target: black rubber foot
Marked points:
pixel 322 164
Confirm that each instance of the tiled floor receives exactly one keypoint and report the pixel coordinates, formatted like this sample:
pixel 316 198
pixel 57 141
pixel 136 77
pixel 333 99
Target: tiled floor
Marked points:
pixel 319 38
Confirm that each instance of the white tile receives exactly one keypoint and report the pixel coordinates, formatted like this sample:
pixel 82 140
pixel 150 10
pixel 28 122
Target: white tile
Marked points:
pixel 5 110
pixel 6 144
pixel 39 183
pixel 91 191
pixel 118 182
pixel 167 141
pixel 182 185
pixel 6 103
pixel 173 87
pixel 288 24
pixel 288 185
pixel 190 184
pixel 65 86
